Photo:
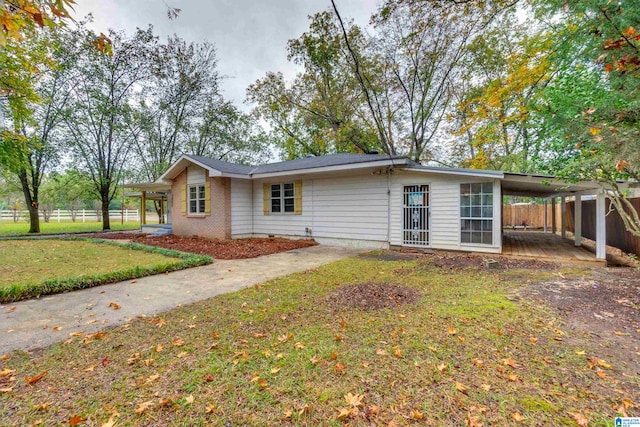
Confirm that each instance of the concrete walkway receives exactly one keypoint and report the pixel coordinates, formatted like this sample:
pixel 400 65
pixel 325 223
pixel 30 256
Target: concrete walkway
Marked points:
pixel 41 322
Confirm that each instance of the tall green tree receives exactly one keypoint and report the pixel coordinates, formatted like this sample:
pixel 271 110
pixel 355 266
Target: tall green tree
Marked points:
pixel 100 118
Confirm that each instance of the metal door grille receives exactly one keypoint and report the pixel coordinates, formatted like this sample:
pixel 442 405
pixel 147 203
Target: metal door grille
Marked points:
pixel 415 209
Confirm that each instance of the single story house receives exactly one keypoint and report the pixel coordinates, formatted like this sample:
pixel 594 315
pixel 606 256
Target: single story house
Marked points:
pixel 358 200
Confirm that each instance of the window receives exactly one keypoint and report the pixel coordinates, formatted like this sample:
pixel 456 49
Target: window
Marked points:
pixel 476 213
pixel 283 198
pixel 197 199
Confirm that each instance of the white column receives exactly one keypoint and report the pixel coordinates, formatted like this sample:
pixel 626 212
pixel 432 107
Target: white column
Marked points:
pixel 544 214
pixel 82 215
pixel 577 219
pixel 601 227
pixel 58 214
pixel 563 216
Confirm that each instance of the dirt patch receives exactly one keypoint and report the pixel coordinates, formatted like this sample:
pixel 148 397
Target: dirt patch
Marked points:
pixel 371 296
pixel 455 261
pixel 602 309
pixel 219 249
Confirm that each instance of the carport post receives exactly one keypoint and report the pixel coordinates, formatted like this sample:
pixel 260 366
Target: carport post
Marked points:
pixel 563 217
pixel 577 220
pixel 544 214
pixel 143 208
pixel 601 227
pixel 553 215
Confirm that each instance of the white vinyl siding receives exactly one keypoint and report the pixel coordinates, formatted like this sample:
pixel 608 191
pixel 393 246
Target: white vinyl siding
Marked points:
pixel 444 209
pixel 241 203
pixel 353 207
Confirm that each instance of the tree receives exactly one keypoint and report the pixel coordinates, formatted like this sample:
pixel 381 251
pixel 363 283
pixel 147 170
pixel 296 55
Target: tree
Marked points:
pixel 100 118
pixel 597 58
pixel 319 112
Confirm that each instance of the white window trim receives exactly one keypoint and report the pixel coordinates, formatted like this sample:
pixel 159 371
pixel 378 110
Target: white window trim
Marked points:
pixel 282 198
pixel 472 218
pixel 200 201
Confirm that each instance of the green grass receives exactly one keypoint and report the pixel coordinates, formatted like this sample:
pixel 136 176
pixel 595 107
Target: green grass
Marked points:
pixel 280 354
pixel 22 228
pixel 34 267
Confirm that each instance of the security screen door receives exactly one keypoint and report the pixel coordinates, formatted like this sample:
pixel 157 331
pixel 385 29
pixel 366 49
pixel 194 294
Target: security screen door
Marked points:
pixel 415 209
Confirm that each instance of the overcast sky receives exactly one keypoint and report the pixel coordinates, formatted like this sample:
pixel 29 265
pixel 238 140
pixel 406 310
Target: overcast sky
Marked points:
pixel 250 35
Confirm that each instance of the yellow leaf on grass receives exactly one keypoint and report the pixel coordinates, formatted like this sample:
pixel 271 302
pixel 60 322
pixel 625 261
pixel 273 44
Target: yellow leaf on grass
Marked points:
pixel 580 352
pixel 382 352
pixel 461 387
pixel 397 352
pixel 580 419
pixel 210 408
pixel 512 377
pixel 478 363
pixel 442 367
pixel 275 370
pixel 511 362
pixel 6 390
pixel 299 345
pixel 189 399
pixel 6 372
pixel 353 399
pixel 344 413
pixel 41 406
pixel 417 415
pixel 110 423
pixel 177 341
pixel 451 330
pixel 533 340
pixel 485 387
pixel 517 416
pixel 142 407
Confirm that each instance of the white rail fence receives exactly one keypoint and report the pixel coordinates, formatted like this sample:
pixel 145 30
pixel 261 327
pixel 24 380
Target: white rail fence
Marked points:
pixel 80 215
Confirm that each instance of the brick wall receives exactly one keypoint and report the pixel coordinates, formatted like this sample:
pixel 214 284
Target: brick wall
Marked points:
pixel 214 226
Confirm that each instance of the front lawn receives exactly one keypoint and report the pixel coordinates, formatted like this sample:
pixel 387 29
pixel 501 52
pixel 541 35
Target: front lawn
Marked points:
pixel 320 348
pixel 34 267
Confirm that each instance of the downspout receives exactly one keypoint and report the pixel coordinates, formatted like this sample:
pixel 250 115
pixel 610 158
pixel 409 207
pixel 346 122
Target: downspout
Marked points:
pixel 389 170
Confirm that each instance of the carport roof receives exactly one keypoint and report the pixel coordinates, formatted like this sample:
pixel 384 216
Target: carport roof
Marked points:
pixel 535 185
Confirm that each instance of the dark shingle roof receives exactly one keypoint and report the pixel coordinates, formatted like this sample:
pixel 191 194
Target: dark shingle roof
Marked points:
pixel 322 161
pixel 221 165
pixel 297 164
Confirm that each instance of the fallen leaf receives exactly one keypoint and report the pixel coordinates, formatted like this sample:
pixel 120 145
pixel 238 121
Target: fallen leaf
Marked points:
pixel 353 399
pixel 114 305
pixel 91 368
pixel 451 330
pixel 6 372
pixel 159 348
pixel 110 423
pixel 512 377
pixel 177 341
pixel 344 413
pixel 461 388
pixel 76 419
pixel 6 390
pixel 5 357
pixel 299 345
pixel 12 308
pixel 340 367
pixel 167 401
pixel 417 415
pixel 313 360
pixel 275 370
pixel 442 367
pixel 210 408
pixel 142 407
pixel 189 399
pixel 478 363
pixel 485 387
pixel 35 379
pixel 57 328
pixel 580 352
pixel 511 362
pixel 580 419
pixel 397 352
pixel 382 352
pixel 461 339
pixel 36 423
pixel 517 416
pixel 533 340
pixel 41 406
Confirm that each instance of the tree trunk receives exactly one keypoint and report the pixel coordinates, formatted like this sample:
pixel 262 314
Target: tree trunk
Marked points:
pixel 31 201
pixel 158 207
pixel 105 210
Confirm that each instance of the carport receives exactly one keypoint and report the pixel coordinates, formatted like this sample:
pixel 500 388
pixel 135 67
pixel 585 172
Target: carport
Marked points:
pixel 551 189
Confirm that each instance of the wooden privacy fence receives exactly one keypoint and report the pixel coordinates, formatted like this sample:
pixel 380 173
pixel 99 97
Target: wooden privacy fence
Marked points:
pixel 617 235
pixel 529 216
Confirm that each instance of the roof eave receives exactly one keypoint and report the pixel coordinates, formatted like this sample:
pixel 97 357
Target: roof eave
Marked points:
pixel 461 172
pixel 322 169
